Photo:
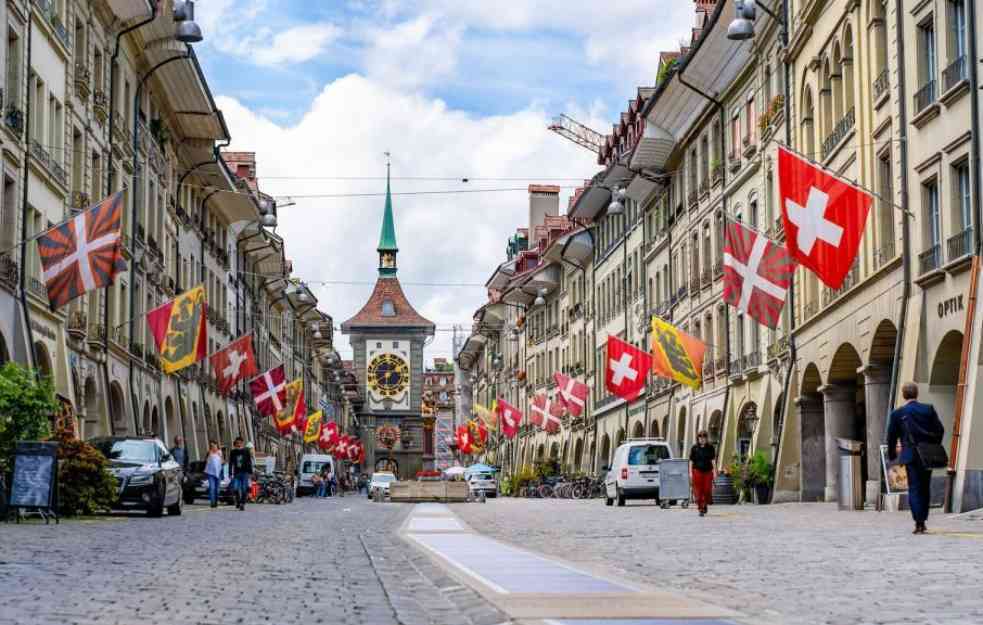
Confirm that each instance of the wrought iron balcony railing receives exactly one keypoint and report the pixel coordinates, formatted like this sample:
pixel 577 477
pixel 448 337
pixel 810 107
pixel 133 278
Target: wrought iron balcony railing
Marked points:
pixel 925 97
pixel 840 131
pixel 930 259
pixel 881 84
pixel 955 73
pixel 960 245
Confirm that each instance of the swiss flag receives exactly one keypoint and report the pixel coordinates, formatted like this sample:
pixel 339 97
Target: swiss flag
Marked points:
pixel 463 436
pixel 627 369
pixel 234 362
pixel 341 447
pixel 572 392
pixel 546 413
pixel 270 391
pixel 757 274
pixel 824 218
pixel 509 417
pixel 329 436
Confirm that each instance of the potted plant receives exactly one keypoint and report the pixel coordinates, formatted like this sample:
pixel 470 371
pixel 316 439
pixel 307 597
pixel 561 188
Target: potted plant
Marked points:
pixel 760 476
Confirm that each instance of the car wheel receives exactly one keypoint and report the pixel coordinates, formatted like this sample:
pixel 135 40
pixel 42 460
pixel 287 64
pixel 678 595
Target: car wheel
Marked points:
pixel 621 498
pixel 155 510
pixel 175 510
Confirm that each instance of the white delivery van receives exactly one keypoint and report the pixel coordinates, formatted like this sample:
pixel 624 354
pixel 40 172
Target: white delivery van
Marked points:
pixel 310 465
pixel 634 472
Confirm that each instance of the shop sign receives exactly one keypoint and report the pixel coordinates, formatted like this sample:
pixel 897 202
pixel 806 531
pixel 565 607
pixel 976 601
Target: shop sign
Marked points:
pixel 951 306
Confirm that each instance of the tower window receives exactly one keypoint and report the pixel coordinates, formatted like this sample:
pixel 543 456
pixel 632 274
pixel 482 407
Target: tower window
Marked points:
pixel 388 309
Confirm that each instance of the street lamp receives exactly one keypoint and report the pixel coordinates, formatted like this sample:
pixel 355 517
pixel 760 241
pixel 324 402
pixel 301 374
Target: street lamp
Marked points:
pixel 617 205
pixel 742 27
pixel 188 30
pixel 540 300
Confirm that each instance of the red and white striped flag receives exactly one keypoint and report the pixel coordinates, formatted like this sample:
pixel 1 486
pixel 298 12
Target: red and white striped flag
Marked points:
pixel 572 392
pixel 546 413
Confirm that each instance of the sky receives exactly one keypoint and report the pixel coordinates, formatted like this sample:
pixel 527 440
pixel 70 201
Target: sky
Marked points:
pixel 453 89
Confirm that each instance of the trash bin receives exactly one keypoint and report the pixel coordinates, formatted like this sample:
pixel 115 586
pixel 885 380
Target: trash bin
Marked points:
pixel 849 488
pixel 674 481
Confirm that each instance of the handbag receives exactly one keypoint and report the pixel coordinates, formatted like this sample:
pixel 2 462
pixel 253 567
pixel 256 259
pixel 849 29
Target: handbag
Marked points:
pixel 932 455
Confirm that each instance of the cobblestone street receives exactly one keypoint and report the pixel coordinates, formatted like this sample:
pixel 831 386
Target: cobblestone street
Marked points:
pixel 308 562
pixel 794 564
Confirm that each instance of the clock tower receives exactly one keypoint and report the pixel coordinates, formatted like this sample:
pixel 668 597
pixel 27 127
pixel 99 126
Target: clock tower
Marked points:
pixel 387 337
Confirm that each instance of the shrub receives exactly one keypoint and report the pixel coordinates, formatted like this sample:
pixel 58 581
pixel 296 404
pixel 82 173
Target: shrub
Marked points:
pixel 26 407
pixel 85 485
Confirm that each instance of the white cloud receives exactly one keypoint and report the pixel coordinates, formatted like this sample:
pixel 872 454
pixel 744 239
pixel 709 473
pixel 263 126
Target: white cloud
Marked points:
pixel 442 238
pixel 410 54
pixel 294 45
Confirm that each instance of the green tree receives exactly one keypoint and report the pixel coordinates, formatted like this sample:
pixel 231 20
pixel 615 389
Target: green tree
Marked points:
pixel 26 406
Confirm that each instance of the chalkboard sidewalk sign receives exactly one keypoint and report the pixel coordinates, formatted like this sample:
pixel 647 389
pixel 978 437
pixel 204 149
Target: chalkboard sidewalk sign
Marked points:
pixel 35 483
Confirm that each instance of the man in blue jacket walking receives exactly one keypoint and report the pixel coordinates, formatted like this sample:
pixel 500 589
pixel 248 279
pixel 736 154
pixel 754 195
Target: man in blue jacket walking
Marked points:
pixel 908 426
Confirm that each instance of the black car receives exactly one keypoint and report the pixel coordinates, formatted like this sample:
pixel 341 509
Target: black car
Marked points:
pixel 148 476
pixel 196 484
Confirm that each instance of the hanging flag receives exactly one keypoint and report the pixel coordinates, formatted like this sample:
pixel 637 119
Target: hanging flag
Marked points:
pixel 546 413
pixel 179 330
pixel 824 218
pixel 341 447
pixel 757 274
pixel 676 355
pixel 354 450
pixel 269 391
pixel 486 416
pixel 312 432
pixel 236 361
pixel 572 392
pixel 627 367
pixel 293 417
pixel 464 442
pixel 83 253
pixel 329 436
pixel 510 418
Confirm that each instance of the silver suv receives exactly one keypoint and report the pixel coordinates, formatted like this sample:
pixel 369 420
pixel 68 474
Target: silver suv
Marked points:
pixel 634 472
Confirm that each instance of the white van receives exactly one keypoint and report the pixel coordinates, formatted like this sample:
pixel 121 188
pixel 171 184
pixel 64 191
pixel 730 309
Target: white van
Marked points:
pixel 310 465
pixel 634 472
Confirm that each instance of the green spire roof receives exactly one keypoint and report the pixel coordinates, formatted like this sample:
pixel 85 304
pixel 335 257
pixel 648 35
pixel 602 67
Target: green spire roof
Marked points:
pixel 387 238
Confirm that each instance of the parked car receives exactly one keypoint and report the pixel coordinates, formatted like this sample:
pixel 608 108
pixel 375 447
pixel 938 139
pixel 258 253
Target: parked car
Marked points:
pixel 196 484
pixel 483 483
pixel 380 482
pixel 634 472
pixel 310 465
pixel 148 476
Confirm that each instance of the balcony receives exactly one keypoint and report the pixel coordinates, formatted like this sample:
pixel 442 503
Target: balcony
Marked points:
pixel 706 278
pixel 718 268
pixel 78 325
pixel 694 283
pixel 692 198
pixel 100 105
pixel 925 97
pixel 716 173
pixel 840 131
pixel 704 187
pixel 720 365
pixel 752 360
pixel 82 79
pixel 851 280
pixel 735 163
pixel 9 271
pixel 98 335
pixel 810 309
pixel 37 287
pixel 14 119
pixel 955 74
pixel 884 254
pixel 930 260
pixel 881 85
pixel 750 147
pixel 778 349
pixel 681 292
pixel 959 245
pixel 80 201
pixel 708 368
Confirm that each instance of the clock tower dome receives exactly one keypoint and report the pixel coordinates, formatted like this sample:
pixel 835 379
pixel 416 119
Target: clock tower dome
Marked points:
pixel 387 337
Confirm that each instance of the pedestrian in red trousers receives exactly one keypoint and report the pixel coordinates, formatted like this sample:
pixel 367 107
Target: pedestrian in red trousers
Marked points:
pixel 701 458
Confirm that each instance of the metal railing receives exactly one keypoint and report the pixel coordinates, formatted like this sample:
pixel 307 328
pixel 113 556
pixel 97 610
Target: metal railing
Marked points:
pixel 884 254
pixel 14 119
pixel 955 73
pixel 930 259
pixel 925 97
pixel 960 245
pixel 810 309
pixel 881 84
pixel 840 131
pixel 850 281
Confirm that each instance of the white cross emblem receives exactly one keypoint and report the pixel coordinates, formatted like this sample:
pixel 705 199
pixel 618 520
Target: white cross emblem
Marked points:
pixel 812 222
pixel 236 358
pixel 83 248
pixel 621 369
pixel 507 415
pixel 272 392
pixel 749 273
pixel 568 395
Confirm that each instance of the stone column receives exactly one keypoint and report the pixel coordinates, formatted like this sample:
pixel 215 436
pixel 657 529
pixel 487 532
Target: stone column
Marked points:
pixel 838 409
pixel 877 391
pixel 812 463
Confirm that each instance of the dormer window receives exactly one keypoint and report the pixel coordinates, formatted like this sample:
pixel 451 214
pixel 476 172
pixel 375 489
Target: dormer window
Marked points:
pixel 388 309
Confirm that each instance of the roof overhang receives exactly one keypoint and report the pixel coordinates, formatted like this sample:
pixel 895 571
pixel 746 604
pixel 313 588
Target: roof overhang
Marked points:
pixel 597 196
pixel 641 188
pixel 576 247
pixel 127 10
pixel 500 278
pixel 472 348
pixel 231 203
pixel 545 279
pixel 653 149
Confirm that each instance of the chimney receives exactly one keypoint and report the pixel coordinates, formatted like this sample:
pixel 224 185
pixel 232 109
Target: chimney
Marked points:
pixel 544 199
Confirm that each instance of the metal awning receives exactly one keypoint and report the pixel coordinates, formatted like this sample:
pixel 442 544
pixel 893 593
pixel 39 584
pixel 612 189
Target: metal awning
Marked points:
pixel 576 247
pixel 500 278
pixel 597 196
pixel 232 203
pixel 641 188
pixel 653 149
pixel 127 10
pixel 545 278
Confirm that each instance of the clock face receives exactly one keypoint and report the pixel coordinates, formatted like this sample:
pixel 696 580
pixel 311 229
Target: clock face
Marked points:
pixel 388 375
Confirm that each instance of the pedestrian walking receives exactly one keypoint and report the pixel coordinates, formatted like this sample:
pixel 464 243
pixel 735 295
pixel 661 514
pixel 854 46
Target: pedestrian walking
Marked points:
pixel 327 476
pixel 179 453
pixel 317 484
pixel 911 426
pixel 702 458
pixel 241 461
pixel 213 471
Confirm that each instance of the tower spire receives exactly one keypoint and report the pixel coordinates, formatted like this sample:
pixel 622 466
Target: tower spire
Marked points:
pixel 387 238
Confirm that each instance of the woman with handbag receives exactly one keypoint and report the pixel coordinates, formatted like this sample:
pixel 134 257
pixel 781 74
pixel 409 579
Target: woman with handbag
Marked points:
pixel 917 430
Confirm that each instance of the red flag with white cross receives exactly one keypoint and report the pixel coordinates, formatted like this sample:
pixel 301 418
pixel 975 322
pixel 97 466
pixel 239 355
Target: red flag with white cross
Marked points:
pixel 234 362
pixel 627 368
pixel 572 393
pixel 824 217
pixel 546 412
pixel 270 391
pixel 509 417
pixel 757 274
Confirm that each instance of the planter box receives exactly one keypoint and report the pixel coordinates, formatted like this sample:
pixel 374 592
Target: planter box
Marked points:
pixel 415 492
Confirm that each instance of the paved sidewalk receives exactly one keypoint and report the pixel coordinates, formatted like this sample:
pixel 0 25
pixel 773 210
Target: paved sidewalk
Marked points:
pixel 796 564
